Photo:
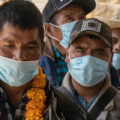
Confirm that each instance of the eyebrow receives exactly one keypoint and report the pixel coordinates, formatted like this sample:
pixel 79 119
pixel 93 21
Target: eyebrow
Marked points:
pixel 99 49
pixel 7 40
pixel 69 14
pixel 80 47
pixel 8 37
pixel 33 42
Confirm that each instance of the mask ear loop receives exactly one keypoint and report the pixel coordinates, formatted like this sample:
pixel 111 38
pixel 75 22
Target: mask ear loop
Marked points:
pixel 69 63
pixel 52 36
pixel 69 56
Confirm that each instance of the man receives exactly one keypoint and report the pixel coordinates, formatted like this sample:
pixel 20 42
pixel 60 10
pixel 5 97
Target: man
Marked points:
pixel 89 56
pixel 60 14
pixel 24 92
pixel 114 23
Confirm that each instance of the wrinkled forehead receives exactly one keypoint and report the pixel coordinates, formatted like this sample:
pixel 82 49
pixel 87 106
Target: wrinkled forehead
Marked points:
pixel 116 31
pixel 90 40
pixel 68 11
pixel 15 33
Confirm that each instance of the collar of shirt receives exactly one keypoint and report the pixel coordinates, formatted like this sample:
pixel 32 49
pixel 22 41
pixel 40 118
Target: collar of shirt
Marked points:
pixel 57 54
pixel 60 65
pixel 82 100
pixel 8 110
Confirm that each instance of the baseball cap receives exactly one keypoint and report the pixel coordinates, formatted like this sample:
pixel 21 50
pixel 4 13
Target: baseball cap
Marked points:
pixel 54 6
pixel 91 27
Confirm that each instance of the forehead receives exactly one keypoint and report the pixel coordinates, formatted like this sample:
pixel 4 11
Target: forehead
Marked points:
pixel 90 40
pixel 9 31
pixel 116 32
pixel 72 9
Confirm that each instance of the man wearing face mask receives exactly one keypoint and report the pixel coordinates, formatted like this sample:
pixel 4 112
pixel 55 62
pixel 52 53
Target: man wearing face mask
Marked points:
pixel 60 15
pixel 25 94
pixel 89 56
pixel 114 23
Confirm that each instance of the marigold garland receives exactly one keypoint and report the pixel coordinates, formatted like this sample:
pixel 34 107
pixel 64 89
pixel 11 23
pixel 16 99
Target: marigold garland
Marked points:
pixel 35 108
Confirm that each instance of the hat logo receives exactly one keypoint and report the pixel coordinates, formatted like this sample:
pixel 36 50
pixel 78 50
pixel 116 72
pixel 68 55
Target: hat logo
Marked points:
pixel 91 25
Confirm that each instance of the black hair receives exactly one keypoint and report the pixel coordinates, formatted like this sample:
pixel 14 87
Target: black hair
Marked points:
pixel 22 14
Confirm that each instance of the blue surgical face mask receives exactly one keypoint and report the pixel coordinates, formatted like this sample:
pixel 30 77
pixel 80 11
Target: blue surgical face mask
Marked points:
pixel 17 73
pixel 116 61
pixel 66 30
pixel 88 70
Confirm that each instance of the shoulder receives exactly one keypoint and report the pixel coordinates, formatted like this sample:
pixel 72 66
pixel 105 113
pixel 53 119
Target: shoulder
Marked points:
pixel 62 107
pixel 70 109
pixel 46 61
pixel 117 101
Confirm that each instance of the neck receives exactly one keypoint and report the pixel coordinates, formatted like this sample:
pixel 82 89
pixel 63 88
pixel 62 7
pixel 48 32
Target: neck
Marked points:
pixel 14 93
pixel 87 93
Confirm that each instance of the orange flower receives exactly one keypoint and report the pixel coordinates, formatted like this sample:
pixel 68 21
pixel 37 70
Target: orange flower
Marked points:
pixel 35 108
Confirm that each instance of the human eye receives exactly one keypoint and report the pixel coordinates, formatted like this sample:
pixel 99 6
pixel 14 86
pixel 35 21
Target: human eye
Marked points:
pixel 100 52
pixel 9 45
pixel 70 19
pixel 80 51
pixel 82 17
pixel 32 45
pixel 114 40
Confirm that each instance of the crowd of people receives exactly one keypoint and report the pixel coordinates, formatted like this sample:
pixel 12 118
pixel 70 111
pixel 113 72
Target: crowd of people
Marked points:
pixel 58 64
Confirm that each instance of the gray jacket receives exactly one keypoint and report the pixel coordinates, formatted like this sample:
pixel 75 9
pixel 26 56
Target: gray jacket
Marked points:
pixel 113 105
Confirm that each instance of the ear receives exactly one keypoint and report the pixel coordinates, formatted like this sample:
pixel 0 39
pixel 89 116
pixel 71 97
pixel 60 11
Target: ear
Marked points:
pixel 49 29
pixel 53 30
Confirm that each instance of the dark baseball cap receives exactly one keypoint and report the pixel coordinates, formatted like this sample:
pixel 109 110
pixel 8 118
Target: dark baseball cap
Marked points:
pixel 91 27
pixel 54 6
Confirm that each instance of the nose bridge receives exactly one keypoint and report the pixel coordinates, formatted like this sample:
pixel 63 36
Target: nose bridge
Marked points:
pixel 117 47
pixel 18 54
pixel 89 50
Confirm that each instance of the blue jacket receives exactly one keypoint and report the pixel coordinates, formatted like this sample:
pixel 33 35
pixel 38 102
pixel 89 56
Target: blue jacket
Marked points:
pixel 49 70
pixel 114 78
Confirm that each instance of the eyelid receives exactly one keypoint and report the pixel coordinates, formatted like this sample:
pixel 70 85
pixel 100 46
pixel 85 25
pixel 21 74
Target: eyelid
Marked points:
pixel 100 50
pixel 81 48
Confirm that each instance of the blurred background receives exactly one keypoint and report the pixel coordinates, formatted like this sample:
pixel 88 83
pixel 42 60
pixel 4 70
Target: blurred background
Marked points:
pixel 104 8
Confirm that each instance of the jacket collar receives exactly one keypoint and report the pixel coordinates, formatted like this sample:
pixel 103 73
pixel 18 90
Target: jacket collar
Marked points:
pixel 66 84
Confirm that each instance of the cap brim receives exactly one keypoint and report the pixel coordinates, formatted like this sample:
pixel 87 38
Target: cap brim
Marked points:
pixel 87 5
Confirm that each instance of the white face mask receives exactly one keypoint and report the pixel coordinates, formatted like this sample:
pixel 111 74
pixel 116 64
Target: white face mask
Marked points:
pixel 116 61
pixel 17 73
pixel 66 30
pixel 88 70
